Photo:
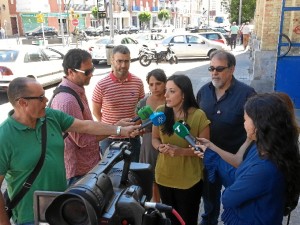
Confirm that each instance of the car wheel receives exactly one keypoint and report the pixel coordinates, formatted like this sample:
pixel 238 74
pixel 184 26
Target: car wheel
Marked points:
pixel 95 62
pixel 210 52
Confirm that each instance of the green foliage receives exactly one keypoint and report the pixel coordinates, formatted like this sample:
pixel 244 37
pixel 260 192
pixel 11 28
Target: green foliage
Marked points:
pixel 95 12
pixel 145 17
pixel 164 15
pixel 248 10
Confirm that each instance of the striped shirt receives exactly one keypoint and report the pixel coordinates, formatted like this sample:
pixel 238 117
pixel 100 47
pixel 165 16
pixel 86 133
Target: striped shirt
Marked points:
pixel 118 99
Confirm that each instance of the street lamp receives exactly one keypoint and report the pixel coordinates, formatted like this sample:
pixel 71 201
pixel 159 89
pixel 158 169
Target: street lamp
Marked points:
pixel 240 12
pixel 61 22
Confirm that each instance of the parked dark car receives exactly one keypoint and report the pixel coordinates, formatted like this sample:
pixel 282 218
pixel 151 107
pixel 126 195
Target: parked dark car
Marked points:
pixel 106 30
pixel 92 31
pixel 38 32
pixel 191 27
pixel 156 29
pixel 129 30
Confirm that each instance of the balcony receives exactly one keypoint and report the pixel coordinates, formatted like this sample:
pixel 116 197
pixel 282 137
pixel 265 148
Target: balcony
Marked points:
pixel 154 9
pixel 136 8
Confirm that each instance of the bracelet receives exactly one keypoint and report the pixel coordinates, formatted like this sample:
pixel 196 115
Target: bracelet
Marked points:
pixel 118 130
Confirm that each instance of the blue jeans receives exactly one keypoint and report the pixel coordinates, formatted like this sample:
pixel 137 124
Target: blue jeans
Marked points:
pixel 135 146
pixel 211 200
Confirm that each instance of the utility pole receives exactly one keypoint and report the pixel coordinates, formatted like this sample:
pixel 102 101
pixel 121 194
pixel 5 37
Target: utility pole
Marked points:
pixel 208 12
pixel 240 12
pixel 61 23
pixel 111 21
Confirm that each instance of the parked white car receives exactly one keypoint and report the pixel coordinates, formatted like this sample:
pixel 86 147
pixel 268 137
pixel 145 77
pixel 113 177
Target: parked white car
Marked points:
pixel 44 64
pixel 192 46
pixel 98 48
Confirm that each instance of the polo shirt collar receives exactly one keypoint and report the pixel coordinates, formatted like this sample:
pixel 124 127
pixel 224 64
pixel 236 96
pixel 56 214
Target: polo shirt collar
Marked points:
pixel 21 126
pixel 115 79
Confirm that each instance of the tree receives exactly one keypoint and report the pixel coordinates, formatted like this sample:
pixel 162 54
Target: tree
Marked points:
pixel 248 10
pixel 164 15
pixel 95 12
pixel 144 17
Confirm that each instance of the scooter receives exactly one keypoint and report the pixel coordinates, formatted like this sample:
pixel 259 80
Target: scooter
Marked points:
pixel 158 55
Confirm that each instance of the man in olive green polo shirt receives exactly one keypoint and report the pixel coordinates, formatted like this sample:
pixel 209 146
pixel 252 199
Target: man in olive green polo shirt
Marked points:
pixel 20 138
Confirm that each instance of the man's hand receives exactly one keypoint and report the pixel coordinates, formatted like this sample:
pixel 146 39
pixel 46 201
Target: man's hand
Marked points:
pixel 129 131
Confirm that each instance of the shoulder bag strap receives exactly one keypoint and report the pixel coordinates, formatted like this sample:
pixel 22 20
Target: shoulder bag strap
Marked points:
pixel 27 184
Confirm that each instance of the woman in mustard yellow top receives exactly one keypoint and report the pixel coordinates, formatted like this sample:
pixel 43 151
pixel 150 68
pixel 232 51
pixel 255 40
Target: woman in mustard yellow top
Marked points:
pixel 178 172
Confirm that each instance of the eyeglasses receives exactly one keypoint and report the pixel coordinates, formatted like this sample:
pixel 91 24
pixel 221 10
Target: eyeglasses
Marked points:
pixel 86 72
pixel 120 62
pixel 41 98
pixel 218 68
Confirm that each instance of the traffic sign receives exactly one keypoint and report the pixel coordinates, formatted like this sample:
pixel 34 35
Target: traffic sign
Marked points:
pixel 40 18
pixel 102 15
pixel 75 22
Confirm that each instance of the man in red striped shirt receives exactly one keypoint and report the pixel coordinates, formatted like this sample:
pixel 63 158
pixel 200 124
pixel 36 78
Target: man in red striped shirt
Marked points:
pixel 115 97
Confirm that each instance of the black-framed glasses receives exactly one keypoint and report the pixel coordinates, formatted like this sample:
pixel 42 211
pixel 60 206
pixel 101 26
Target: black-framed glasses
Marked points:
pixel 40 98
pixel 120 62
pixel 218 68
pixel 86 72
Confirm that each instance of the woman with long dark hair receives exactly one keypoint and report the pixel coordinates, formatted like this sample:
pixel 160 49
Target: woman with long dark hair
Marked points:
pixel 178 171
pixel 267 180
pixel 156 80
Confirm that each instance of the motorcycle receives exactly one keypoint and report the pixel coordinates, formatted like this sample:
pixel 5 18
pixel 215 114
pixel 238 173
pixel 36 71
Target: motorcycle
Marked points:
pixel 80 35
pixel 148 55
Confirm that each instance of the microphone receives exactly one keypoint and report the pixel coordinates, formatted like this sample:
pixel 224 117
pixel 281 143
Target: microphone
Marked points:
pixel 183 132
pixel 156 118
pixel 143 113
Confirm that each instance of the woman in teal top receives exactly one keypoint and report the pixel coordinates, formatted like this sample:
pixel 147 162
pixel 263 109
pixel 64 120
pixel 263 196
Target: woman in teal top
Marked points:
pixel 178 172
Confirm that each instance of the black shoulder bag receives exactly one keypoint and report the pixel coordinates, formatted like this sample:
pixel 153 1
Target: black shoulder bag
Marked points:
pixel 10 204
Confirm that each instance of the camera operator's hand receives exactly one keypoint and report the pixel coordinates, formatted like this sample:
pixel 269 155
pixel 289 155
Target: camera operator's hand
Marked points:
pixel 129 131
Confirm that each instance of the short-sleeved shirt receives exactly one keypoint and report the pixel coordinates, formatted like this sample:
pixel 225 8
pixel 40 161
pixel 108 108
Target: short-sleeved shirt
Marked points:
pixel 234 29
pixel 81 150
pixel 181 172
pixel 226 114
pixel 20 151
pixel 118 99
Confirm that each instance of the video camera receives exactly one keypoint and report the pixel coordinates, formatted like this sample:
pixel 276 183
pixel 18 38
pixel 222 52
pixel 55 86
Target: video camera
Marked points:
pixel 113 192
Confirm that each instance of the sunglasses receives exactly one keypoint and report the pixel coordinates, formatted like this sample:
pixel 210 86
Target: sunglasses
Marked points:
pixel 86 72
pixel 120 62
pixel 40 98
pixel 218 68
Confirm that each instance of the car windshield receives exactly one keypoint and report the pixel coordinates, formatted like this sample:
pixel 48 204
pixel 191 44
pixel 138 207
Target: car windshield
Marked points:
pixel 8 55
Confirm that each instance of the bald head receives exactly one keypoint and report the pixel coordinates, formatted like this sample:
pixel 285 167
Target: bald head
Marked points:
pixel 18 87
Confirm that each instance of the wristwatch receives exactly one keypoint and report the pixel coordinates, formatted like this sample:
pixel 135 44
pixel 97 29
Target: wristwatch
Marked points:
pixel 118 130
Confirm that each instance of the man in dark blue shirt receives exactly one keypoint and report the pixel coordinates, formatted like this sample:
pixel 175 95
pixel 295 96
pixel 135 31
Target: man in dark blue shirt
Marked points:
pixel 223 101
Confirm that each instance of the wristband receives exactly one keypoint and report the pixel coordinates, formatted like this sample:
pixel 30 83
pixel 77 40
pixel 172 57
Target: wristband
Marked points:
pixel 118 130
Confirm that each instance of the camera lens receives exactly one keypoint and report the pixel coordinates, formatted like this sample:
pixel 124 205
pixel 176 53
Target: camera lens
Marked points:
pixel 74 212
